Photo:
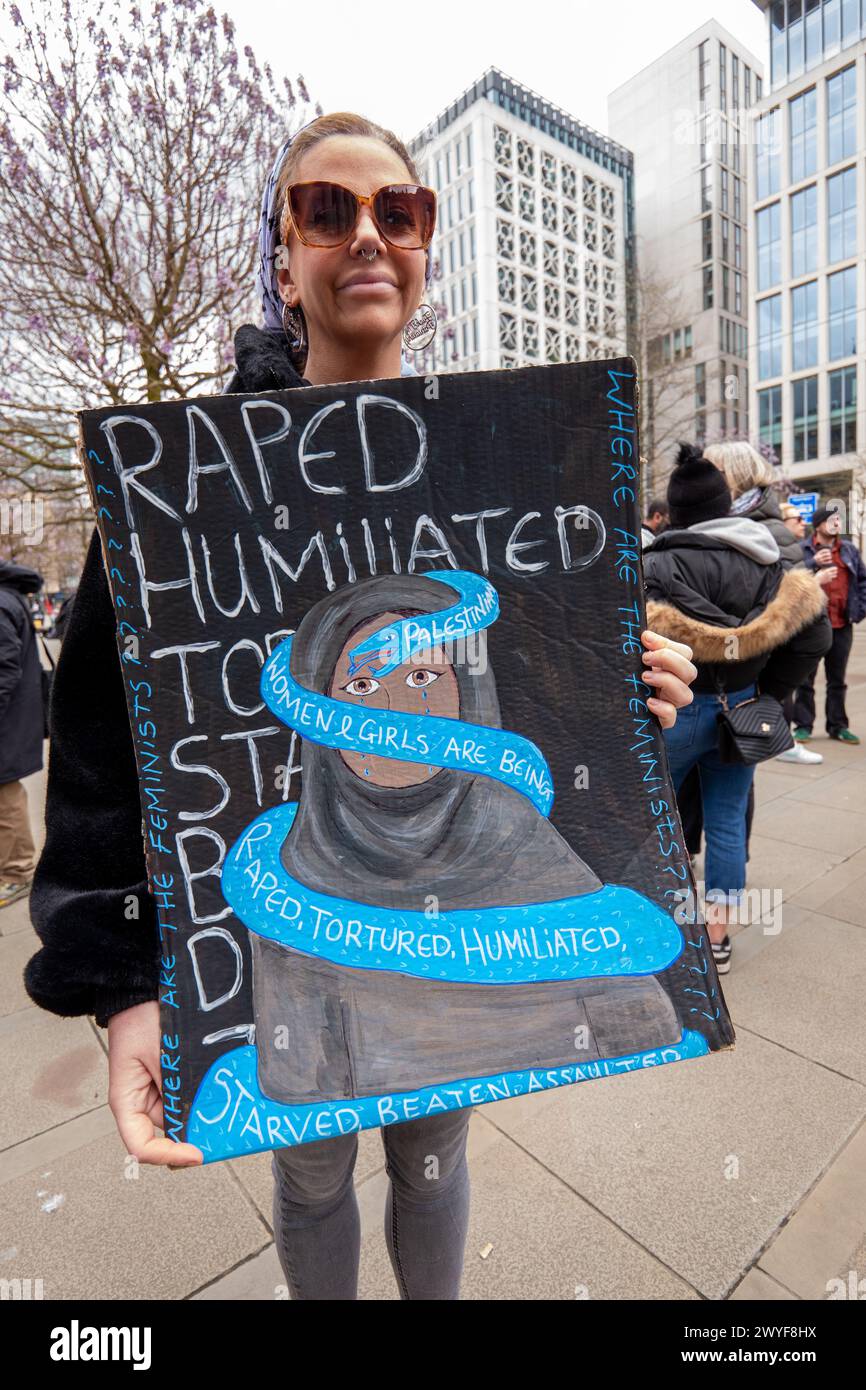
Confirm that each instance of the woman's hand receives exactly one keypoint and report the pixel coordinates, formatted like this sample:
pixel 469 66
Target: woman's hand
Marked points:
pixel 134 1095
pixel 669 670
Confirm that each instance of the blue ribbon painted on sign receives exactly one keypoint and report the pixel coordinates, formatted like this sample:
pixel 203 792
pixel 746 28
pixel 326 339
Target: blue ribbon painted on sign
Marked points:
pixel 614 931
pixel 231 1115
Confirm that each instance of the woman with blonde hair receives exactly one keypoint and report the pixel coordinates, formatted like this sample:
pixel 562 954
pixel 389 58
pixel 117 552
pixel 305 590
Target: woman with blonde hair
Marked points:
pixel 752 483
pixel 344 256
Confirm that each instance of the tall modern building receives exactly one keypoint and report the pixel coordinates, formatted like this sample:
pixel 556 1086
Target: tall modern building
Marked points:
pixel 809 249
pixel 534 231
pixel 683 117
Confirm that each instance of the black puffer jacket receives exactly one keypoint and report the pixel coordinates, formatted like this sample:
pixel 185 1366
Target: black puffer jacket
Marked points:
pixel 22 721
pixel 90 902
pixel 720 587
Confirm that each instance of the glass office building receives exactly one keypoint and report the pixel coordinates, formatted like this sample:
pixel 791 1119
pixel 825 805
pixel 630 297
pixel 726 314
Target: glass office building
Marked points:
pixel 808 217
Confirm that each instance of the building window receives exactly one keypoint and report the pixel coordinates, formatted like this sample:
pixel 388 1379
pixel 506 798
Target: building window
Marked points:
pixel 726 243
pixel 804 135
pixel 706 189
pixel 726 287
pixel 700 385
pixel 769 234
pixel 770 418
pixel 704 71
pixel 767 160
pixel 843 411
pixel 738 292
pixel 723 201
pixel 842 293
pixel 804 322
pixel 850 25
pixel 708 286
pixel 805 398
pixel 738 198
pixel 842 215
pixel 841 115
pixel 687 341
pixel 738 246
pixel 814 46
pixel 707 239
pixel 804 231
pixel 796 45
pixel 770 337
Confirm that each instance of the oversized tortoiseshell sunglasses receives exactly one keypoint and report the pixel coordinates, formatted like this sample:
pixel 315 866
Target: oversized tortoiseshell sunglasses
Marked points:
pixel 326 214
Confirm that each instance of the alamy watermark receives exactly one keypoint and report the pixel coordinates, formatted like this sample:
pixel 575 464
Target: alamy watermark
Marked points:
pixel 23 516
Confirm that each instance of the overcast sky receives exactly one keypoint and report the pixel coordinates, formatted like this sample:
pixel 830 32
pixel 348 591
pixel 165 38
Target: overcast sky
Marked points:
pixel 400 63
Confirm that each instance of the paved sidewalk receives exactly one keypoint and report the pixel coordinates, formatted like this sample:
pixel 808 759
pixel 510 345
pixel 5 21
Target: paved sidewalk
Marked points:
pixel 738 1176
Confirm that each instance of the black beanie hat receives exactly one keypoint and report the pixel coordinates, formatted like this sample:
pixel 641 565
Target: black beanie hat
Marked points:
pixel 697 490
pixel 823 514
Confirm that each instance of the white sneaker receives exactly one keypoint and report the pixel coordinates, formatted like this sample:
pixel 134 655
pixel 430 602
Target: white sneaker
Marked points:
pixel 799 754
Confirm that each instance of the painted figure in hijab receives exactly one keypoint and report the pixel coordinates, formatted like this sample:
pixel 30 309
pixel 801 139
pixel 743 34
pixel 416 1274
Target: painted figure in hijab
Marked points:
pixel 412 836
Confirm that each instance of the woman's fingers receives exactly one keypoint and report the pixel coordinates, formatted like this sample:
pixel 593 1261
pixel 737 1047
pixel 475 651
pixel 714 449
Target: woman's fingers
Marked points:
pixel 139 1135
pixel 667 686
pixel 664 711
pixel 673 659
pixel 133 1088
pixel 669 670
pixel 655 642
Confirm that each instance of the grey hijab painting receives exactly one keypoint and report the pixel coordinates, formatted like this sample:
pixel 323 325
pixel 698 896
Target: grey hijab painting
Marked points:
pixel 403 835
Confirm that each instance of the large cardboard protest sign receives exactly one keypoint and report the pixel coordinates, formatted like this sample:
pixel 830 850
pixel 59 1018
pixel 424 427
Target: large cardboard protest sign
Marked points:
pixel 409 827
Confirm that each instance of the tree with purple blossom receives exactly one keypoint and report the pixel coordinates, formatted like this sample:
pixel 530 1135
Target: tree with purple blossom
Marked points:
pixel 134 141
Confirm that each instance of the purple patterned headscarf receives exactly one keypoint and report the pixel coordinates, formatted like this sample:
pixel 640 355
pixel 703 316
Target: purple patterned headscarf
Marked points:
pixel 269 240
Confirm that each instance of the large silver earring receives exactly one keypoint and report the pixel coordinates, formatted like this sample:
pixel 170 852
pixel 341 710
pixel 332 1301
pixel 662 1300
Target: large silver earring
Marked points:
pixel 295 329
pixel 420 331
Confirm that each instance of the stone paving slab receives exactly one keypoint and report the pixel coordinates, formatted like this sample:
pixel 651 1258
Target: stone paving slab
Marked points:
pixel 826 1236
pixel 651 1150
pixel 90 1231
pixel 53 1068
pixel 774 865
pixel 758 1287
pixel 844 790
pixel 825 827
pixel 546 1243
pixel 804 992
pixel 15 952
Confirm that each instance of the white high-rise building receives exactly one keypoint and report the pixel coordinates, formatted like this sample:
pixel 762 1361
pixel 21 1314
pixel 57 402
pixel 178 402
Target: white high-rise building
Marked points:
pixel 683 116
pixel 808 274
pixel 534 231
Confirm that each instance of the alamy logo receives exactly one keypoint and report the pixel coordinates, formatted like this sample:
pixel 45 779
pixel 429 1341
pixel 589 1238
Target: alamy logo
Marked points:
pixel 77 1343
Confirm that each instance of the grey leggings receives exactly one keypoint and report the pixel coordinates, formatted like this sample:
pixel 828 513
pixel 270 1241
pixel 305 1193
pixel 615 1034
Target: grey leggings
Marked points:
pixel 317 1226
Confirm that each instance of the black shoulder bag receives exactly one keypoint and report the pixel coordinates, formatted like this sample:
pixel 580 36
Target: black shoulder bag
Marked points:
pixel 753 730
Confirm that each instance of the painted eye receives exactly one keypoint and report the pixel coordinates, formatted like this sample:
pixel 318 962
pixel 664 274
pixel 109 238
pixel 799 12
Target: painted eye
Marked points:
pixel 421 677
pixel 362 685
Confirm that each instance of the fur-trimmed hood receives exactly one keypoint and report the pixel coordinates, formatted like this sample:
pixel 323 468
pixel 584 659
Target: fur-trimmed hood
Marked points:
pixel 798 602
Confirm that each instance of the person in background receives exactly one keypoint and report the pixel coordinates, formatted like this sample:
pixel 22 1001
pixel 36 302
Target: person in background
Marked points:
pixel 656 520
pixel 716 581
pixel 22 726
pixel 838 564
pixel 793 519
pixel 752 481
